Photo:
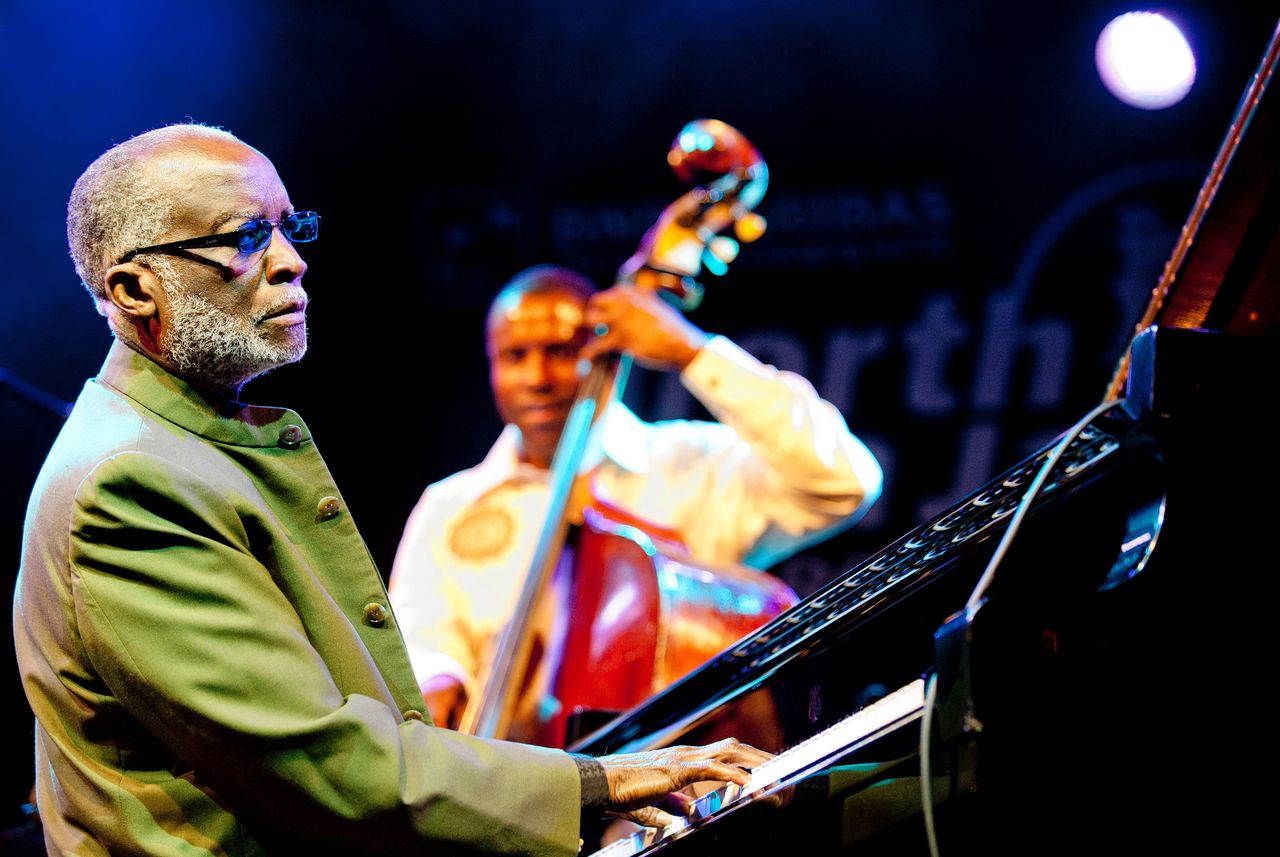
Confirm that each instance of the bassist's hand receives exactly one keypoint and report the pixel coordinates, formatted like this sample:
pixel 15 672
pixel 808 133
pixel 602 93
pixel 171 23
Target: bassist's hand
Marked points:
pixel 641 323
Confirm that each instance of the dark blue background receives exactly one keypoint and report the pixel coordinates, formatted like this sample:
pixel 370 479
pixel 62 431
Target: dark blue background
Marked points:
pixel 963 223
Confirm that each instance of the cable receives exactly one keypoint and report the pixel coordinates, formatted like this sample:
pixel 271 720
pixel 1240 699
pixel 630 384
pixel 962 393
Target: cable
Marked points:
pixel 984 582
pixel 975 600
pixel 926 771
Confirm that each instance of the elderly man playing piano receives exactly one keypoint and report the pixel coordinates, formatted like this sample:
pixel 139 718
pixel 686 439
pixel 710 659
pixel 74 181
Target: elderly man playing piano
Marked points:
pixel 201 633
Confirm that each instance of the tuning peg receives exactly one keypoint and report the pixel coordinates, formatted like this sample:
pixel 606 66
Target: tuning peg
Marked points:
pixel 749 227
pixel 723 248
pixel 719 252
pixel 689 296
pixel 714 263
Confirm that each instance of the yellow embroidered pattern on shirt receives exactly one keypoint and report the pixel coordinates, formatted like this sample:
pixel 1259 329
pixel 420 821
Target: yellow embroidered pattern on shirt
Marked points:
pixel 482 533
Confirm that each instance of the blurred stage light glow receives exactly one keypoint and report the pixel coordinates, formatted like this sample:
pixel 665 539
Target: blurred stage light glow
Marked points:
pixel 1145 61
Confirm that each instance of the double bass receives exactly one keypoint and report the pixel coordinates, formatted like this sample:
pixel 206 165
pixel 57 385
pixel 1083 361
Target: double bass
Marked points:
pixel 632 611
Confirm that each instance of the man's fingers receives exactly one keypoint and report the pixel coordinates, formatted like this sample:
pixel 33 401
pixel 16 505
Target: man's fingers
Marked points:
pixel 710 770
pixel 637 779
pixel 648 816
pixel 730 751
pixel 677 803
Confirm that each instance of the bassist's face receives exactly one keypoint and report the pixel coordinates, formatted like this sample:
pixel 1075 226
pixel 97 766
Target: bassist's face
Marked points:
pixel 533 367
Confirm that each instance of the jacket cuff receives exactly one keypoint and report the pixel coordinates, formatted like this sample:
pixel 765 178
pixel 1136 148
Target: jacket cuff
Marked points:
pixel 595 785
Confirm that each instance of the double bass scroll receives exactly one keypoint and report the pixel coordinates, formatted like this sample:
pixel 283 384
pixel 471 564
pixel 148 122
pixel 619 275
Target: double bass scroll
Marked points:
pixel 609 658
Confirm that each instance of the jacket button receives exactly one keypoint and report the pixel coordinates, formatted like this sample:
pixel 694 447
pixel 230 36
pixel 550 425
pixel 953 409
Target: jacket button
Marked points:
pixel 291 437
pixel 375 615
pixel 327 508
pixel 412 714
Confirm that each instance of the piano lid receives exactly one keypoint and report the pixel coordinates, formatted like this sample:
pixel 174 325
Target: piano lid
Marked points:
pixel 1224 271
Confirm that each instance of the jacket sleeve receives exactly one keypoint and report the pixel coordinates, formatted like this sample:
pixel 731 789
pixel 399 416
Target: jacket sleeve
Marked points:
pixel 198 640
pixel 786 469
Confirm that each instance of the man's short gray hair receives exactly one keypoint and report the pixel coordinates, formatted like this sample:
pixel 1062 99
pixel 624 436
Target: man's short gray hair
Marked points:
pixel 116 207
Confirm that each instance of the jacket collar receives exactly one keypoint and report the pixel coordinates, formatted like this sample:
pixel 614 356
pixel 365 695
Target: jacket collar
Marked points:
pixel 169 397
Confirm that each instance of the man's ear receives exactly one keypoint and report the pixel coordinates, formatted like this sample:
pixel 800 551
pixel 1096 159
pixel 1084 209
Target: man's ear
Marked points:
pixel 132 288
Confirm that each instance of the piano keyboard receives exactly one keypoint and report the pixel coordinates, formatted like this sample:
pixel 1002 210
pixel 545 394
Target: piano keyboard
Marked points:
pixel 905 703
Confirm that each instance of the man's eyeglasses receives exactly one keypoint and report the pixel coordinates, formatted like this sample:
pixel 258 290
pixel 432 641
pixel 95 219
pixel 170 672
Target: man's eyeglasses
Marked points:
pixel 299 228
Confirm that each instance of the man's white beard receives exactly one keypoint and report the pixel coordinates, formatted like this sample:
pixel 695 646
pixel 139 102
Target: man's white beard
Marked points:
pixel 212 348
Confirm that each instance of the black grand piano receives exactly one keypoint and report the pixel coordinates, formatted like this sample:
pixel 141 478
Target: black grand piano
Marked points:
pixel 1075 657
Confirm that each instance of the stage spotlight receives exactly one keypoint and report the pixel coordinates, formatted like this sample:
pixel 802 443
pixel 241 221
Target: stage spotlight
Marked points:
pixel 1145 61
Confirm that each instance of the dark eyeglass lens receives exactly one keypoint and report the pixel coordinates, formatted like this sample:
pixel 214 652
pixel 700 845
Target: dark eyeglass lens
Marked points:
pixel 254 236
pixel 301 228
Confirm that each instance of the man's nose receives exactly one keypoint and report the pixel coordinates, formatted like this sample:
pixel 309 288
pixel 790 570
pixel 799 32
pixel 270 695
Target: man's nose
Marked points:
pixel 283 262
pixel 537 368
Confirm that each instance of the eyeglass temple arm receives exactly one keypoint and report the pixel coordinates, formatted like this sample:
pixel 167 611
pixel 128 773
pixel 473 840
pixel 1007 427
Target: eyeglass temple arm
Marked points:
pixel 224 239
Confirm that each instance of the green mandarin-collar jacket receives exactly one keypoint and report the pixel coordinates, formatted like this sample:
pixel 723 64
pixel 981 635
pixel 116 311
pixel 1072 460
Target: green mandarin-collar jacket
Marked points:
pixel 207 647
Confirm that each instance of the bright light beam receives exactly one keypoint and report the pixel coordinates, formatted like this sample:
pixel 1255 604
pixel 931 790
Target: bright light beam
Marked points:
pixel 1145 61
